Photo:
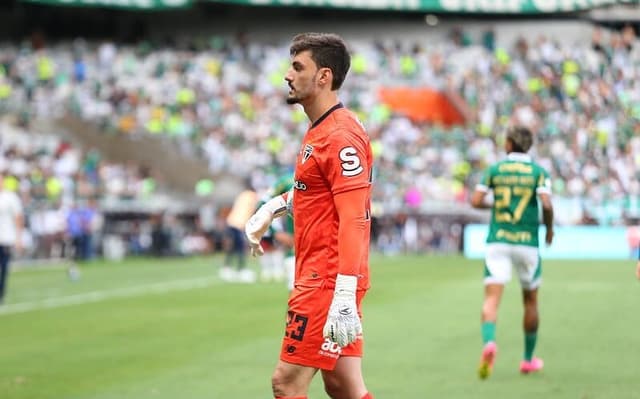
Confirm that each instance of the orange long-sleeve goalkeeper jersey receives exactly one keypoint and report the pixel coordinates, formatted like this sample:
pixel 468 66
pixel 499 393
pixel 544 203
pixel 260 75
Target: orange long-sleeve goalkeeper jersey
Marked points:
pixel 333 169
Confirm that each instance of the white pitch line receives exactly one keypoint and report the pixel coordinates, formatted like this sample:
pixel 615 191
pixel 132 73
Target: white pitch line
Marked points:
pixel 98 296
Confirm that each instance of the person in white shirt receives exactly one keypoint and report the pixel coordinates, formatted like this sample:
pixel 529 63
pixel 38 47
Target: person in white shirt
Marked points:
pixel 11 224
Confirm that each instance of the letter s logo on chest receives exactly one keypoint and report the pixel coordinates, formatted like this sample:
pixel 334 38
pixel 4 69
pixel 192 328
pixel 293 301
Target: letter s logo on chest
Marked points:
pixel 351 165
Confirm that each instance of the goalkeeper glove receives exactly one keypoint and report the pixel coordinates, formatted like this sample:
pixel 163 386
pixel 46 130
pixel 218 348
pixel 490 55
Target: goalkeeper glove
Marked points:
pixel 343 323
pixel 258 224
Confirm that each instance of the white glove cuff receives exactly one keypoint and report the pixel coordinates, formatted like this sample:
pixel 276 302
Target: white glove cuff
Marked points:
pixel 276 206
pixel 346 284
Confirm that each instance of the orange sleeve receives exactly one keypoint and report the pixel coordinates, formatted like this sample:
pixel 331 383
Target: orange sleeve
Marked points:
pixel 347 163
pixel 352 212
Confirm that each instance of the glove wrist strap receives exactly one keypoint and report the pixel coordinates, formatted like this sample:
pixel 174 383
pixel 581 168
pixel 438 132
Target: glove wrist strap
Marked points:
pixel 346 284
pixel 276 206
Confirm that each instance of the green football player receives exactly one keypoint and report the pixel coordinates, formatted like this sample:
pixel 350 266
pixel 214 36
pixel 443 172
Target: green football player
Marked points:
pixel 516 183
pixel 283 233
pixel 277 262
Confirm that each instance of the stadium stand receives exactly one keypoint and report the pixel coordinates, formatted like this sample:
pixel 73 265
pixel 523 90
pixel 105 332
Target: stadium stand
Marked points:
pixel 217 100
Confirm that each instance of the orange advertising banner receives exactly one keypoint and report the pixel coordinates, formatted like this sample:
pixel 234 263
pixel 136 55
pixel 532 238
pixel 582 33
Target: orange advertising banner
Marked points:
pixel 422 105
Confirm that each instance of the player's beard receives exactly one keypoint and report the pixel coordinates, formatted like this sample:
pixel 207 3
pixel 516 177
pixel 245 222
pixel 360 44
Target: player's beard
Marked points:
pixel 297 97
pixel 293 98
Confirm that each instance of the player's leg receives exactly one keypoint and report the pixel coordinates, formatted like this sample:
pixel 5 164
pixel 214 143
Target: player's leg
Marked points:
pixel 266 266
pixel 278 264
pixel 304 350
pixel 530 273
pixel 530 324
pixel 291 381
pixel 290 271
pixel 240 247
pixel 497 273
pixel 490 305
pixel 345 381
pixel 226 271
pixel 4 269
pixel 243 274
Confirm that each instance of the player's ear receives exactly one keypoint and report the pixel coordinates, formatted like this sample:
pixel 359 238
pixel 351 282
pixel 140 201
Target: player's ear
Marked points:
pixel 326 76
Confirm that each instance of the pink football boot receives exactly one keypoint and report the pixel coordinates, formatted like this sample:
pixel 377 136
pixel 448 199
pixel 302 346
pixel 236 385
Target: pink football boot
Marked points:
pixel 489 353
pixel 527 367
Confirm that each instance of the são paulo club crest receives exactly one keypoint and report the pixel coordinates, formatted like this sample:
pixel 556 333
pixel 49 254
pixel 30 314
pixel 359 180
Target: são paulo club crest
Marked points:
pixel 306 152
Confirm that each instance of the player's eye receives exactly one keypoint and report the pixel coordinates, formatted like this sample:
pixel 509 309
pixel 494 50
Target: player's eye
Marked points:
pixel 297 66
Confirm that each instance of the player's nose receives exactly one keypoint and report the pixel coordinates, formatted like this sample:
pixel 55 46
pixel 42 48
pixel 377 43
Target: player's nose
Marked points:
pixel 288 77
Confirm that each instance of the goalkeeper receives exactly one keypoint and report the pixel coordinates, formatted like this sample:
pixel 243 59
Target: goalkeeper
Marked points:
pixel 331 216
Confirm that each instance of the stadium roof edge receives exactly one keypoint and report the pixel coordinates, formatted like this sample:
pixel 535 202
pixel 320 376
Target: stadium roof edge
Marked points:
pixel 478 7
pixel 615 14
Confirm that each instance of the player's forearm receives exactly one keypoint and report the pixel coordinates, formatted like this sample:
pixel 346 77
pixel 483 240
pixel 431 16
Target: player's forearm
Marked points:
pixel 19 222
pixel 479 200
pixel 351 236
pixel 547 217
pixel 352 230
pixel 482 205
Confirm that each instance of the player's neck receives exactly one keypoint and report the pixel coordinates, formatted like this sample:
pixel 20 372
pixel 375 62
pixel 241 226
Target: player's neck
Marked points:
pixel 321 105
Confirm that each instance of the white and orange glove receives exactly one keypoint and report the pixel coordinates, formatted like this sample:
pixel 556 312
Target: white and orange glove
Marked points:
pixel 260 221
pixel 343 323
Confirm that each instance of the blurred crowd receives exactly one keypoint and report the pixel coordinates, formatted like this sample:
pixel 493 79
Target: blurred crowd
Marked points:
pixel 59 186
pixel 222 99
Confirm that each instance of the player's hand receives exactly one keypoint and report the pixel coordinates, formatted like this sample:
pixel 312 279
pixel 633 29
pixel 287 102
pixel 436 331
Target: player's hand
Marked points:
pixel 343 323
pixel 255 229
pixel 549 237
pixel 258 224
pixel 256 249
pixel 638 270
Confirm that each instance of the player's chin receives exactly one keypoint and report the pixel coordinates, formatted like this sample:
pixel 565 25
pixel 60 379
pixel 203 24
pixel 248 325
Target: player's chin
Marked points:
pixel 292 100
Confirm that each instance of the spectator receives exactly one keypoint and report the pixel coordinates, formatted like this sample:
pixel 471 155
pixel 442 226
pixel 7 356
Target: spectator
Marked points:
pixel 11 224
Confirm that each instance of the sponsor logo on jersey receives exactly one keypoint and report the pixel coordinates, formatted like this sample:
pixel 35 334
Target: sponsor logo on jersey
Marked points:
pixel 330 349
pixel 298 185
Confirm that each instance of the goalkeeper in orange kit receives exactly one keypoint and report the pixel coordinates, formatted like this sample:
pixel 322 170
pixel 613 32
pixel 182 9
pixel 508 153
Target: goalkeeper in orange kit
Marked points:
pixel 330 202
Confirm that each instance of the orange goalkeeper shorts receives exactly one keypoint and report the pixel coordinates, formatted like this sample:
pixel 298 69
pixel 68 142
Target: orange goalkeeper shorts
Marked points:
pixel 303 342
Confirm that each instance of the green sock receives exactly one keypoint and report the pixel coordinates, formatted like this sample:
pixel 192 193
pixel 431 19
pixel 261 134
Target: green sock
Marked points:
pixel 488 331
pixel 529 345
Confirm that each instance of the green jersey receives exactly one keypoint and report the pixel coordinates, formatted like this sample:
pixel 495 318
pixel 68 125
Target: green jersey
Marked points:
pixel 515 183
pixel 284 224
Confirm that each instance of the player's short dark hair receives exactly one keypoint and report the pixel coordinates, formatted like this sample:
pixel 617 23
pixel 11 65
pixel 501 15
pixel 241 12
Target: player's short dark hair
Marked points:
pixel 328 50
pixel 521 138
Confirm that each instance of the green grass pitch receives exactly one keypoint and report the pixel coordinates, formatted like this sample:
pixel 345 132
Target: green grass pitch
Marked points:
pixel 170 329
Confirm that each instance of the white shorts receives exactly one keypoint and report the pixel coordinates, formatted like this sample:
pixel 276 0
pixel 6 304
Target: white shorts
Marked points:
pixel 501 258
pixel 290 271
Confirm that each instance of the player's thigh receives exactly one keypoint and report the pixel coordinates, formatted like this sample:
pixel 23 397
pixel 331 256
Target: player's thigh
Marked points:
pixel 497 264
pixel 345 381
pixel 292 379
pixel 528 266
pixel 304 343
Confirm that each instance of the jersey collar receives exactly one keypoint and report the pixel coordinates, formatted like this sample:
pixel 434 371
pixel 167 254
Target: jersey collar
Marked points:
pixel 324 116
pixel 518 157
